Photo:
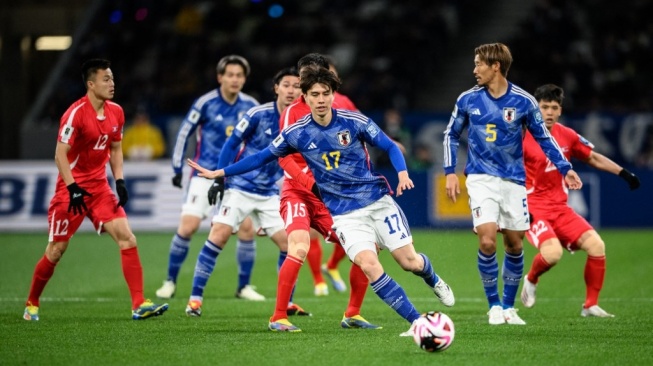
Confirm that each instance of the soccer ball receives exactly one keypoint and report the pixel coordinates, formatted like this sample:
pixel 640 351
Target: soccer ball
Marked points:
pixel 433 331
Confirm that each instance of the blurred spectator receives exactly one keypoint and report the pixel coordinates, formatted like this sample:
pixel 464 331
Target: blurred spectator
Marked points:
pixel 422 158
pixel 143 140
pixel 393 126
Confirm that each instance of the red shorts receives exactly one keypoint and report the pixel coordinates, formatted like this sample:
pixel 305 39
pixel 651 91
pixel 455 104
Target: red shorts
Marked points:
pixel 301 210
pixel 102 208
pixel 563 224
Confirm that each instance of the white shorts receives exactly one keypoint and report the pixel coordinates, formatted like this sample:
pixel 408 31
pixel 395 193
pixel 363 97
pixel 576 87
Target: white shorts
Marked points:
pixel 237 205
pixel 382 223
pixel 196 202
pixel 498 200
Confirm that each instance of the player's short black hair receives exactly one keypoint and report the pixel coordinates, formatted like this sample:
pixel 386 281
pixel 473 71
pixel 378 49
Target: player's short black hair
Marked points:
pixel 316 59
pixel 288 71
pixel 549 93
pixel 312 75
pixel 90 67
pixel 232 60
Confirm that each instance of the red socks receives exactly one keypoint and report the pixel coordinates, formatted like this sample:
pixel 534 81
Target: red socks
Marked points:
pixel 594 275
pixel 337 256
pixel 358 283
pixel 287 278
pixel 538 268
pixel 314 258
pixel 42 273
pixel 133 272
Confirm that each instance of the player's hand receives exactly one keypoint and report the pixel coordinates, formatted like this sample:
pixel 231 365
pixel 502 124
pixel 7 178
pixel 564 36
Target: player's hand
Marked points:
pixel 316 191
pixel 217 188
pixel 176 180
pixel 123 195
pixel 205 173
pixel 77 194
pixel 573 180
pixel 452 187
pixel 405 183
pixel 630 178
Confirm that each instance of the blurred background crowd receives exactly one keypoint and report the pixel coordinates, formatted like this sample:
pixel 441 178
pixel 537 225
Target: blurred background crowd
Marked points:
pixel 395 58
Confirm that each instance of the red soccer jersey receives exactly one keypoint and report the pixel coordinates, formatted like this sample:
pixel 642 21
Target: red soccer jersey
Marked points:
pixel 299 109
pixel 90 141
pixel 544 183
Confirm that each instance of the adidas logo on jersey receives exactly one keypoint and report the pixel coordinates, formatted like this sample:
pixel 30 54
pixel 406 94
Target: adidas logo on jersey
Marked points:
pixel 219 117
pixel 475 111
pixel 403 236
pixel 312 146
pixel 268 132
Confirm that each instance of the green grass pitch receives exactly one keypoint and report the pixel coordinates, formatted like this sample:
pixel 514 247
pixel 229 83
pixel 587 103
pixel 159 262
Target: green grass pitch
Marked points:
pixel 85 310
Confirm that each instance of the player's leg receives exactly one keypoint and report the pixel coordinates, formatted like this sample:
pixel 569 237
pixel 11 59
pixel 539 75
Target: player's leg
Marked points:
pixel 542 235
pixel 592 243
pixel 194 210
pixel 513 221
pixel 314 259
pixel 322 222
pixel 245 258
pixel 483 191
pixel 61 227
pixel 232 212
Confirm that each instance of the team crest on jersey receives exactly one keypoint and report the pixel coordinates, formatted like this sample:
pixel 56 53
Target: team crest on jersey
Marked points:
pixel 509 114
pixel 344 138
pixel 477 212
pixel 224 210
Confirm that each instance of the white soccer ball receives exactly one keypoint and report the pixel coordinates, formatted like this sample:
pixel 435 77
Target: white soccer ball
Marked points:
pixel 433 331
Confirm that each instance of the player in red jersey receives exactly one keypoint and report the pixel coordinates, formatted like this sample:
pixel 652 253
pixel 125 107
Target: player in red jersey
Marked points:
pixel 302 210
pixel 554 224
pixel 90 135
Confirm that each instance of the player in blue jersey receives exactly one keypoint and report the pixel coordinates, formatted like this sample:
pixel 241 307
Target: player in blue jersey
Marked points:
pixel 214 116
pixel 495 113
pixel 255 193
pixel 364 214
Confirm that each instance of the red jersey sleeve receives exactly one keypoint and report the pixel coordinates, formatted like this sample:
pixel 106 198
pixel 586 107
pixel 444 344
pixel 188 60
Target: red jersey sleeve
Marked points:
pixel 581 148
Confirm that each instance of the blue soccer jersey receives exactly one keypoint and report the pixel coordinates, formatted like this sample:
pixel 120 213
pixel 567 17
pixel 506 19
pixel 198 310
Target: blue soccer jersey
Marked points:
pixel 338 158
pixel 495 133
pixel 255 131
pixel 216 119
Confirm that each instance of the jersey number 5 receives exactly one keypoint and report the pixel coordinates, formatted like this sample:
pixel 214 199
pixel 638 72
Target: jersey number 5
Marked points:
pixel 332 156
pixel 491 131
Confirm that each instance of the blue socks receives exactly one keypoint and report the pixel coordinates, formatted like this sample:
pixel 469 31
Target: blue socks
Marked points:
pixel 178 252
pixel 489 271
pixel 394 295
pixel 428 274
pixel 245 257
pixel 203 268
pixel 513 267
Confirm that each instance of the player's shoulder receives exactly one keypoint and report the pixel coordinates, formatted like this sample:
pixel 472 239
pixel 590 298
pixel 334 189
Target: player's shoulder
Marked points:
pixel 246 98
pixel 470 93
pixel 261 109
pixel 355 117
pixel 114 107
pixel 212 96
pixel 522 94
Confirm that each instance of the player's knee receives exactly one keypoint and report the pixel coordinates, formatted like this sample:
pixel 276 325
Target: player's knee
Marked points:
pixel 594 246
pixel 487 245
pixel 54 253
pixel 551 253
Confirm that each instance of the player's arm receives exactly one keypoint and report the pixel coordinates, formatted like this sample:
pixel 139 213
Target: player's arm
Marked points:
pixel 602 162
pixel 188 126
pixel 373 135
pixel 452 134
pixel 242 166
pixel 61 160
pixel 116 161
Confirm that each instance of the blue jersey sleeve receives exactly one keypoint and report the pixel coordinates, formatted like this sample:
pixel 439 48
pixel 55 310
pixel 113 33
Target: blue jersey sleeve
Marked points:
pixel 373 135
pixel 229 151
pixel 188 126
pixel 551 149
pixel 250 163
pixel 457 123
